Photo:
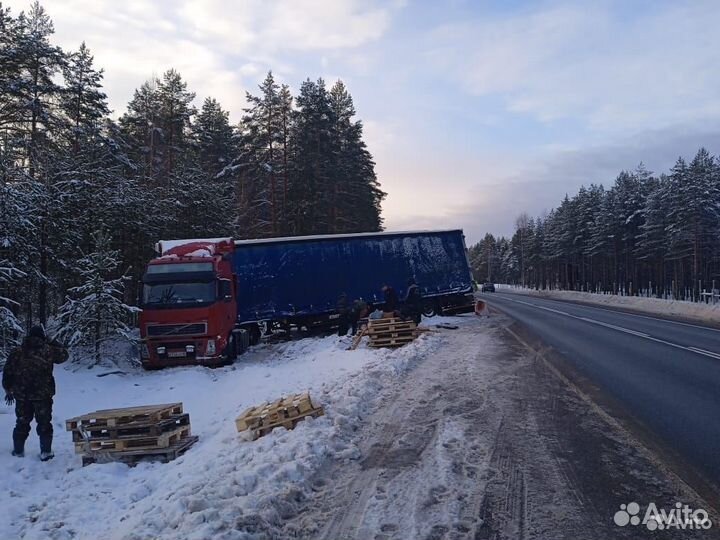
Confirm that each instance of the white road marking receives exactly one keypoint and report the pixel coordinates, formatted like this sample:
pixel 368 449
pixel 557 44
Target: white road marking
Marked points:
pixel 643 335
pixel 703 351
pixel 629 313
pixel 614 327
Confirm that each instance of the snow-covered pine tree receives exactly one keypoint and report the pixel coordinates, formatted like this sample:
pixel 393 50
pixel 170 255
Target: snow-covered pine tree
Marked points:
pixel 214 137
pixel 176 112
pixel 140 127
pixel 588 206
pixel 356 195
pixel 10 327
pixel 285 104
pixel 208 189
pixel 30 119
pixel 94 311
pixel 695 216
pixel 314 160
pixel 509 267
pixel 260 162
pixel 652 246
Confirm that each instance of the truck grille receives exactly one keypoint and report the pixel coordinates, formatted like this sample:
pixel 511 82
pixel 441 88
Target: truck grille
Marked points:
pixel 192 329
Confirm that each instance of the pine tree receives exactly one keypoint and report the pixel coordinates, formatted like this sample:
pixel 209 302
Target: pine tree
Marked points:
pixel 94 311
pixel 10 327
pixel 30 119
pixel 313 160
pixel 141 128
pixel 213 137
pixel 653 242
pixel 355 193
pixel 260 162
pixel 176 111
pixel 695 214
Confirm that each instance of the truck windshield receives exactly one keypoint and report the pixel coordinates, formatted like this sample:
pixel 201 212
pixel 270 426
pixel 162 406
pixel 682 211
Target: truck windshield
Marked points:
pixel 172 294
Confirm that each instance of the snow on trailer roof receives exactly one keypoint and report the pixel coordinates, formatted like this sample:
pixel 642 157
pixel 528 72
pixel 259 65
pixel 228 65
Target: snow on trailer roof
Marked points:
pixel 163 246
pixel 334 236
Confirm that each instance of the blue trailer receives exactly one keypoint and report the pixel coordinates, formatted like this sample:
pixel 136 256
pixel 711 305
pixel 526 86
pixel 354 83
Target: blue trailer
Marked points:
pixel 297 280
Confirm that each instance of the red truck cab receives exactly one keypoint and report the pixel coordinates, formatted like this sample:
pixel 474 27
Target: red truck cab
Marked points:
pixel 189 305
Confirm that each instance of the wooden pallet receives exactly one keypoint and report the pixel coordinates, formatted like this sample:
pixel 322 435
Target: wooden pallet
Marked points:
pixel 123 444
pixel 133 457
pixel 132 429
pixel 391 342
pixel 127 415
pixel 285 412
pixel 391 332
pixel 393 327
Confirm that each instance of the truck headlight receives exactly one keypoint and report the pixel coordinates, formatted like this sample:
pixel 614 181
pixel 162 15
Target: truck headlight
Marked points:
pixel 189 349
pixel 210 347
pixel 161 350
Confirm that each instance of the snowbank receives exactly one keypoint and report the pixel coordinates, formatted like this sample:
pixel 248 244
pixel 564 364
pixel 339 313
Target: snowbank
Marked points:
pixel 656 306
pixel 224 487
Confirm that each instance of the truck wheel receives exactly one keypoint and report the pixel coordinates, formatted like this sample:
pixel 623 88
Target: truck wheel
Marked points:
pixel 230 353
pixel 242 340
pixel 429 310
pixel 254 331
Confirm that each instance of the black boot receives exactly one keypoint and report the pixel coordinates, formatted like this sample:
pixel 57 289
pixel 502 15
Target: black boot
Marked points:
pixel 18 448
pixel 46 452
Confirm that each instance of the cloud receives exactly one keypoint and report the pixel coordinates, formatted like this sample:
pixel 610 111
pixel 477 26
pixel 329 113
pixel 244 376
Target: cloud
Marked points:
pixel 538 185
pixel 221 48
pixel 609 67
pixel 298 25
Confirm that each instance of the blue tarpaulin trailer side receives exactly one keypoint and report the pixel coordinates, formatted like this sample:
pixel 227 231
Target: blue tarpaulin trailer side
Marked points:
pixel 296 278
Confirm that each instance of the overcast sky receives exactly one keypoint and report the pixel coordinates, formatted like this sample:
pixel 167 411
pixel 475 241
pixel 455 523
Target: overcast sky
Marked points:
pixel 474 110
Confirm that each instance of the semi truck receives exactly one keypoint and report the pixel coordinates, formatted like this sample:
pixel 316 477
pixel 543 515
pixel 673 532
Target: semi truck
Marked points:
pixel 205 300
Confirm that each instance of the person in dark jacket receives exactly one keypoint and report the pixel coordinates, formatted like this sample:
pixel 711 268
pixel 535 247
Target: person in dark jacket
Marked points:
pixel 29 383
pixel 360 309
pixel 413 302
pixel 391 299
pixel 344 311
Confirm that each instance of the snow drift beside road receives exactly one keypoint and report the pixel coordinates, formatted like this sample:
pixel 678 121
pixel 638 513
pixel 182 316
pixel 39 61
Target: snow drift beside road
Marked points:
pixel 223 487
pixel 655 306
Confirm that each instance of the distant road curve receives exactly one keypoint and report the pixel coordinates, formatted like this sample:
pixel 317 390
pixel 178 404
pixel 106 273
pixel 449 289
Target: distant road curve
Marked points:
pixel 666 373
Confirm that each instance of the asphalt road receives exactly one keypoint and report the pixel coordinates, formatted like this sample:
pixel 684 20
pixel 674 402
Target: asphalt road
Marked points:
pixel 665 373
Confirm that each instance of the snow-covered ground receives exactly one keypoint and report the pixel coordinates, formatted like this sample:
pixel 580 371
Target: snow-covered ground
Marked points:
pixel 222 482
pixel 656 306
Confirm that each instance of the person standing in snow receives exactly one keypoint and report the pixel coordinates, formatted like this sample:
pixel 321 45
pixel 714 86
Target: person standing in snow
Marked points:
pixel 344 313
pixel 391 299
pixel 359 310
pixel 413 302
pixel 29 383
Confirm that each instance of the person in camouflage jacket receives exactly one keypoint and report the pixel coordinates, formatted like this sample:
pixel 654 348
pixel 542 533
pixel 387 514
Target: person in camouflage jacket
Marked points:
pixel 29 383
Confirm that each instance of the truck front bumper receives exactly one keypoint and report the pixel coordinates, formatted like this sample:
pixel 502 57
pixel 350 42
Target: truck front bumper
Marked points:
pixel 157 354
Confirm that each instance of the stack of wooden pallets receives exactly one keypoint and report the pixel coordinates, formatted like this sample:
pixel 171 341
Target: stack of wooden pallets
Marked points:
pixel 132 434
pixel 285 412
pixel 391 332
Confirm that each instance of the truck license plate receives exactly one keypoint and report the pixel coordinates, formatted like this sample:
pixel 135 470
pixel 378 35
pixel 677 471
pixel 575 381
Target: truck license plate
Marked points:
pixel 176 354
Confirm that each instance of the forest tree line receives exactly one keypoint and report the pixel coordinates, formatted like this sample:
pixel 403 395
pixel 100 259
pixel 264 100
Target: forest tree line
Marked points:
pixel 651 235
pixel 74 182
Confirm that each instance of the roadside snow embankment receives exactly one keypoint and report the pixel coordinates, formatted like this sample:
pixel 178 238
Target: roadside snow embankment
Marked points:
pixel 655 306
pixel 223 486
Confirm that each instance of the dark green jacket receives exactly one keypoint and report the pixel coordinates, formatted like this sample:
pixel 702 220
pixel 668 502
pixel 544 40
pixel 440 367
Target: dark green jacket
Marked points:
pixel 28 373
